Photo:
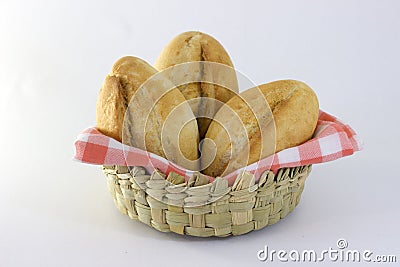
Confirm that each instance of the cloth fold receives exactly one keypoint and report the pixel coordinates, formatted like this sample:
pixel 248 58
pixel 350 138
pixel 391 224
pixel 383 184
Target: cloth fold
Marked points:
pixel 332 140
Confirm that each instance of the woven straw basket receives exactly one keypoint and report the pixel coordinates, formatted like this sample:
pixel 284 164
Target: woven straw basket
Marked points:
pixel 200 208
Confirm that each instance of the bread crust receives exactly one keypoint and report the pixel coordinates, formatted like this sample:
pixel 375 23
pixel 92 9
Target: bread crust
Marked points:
pixel 295 110
pixel 119 118
pixel 195 46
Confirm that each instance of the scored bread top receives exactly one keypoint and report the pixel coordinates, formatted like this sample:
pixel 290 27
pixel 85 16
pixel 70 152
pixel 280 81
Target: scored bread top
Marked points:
pixel 128 86
pixel 192 46
pixel 295 109
pixel 195 46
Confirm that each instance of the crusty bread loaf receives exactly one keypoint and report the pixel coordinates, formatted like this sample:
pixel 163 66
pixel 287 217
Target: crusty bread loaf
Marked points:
pixel 126 76
pixel 196 46
pixel 294 107
pixel 134 109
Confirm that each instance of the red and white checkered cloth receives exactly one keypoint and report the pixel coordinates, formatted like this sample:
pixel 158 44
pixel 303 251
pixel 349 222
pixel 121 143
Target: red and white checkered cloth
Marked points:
pixel 332 140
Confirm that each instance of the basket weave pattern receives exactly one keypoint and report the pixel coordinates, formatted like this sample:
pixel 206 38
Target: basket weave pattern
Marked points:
pixel 204 209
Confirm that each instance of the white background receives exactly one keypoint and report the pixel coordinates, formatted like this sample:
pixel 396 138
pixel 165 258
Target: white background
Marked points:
pixel 54 57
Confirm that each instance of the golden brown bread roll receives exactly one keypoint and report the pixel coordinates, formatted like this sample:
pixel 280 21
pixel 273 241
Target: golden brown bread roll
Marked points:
pixel 126 76
pixel 195 46
pixel 128 90
pixel 294 107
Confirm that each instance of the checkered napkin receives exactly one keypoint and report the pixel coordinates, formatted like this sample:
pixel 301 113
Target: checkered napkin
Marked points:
pixel 332 140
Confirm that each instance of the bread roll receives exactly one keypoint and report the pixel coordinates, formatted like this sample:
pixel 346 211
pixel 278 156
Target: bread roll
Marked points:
pixel 126 76
pixel 134 109
pixel 295 110
pixel 196 46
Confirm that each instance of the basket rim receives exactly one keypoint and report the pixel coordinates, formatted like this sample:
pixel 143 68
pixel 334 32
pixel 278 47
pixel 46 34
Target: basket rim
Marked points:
pixel 198 187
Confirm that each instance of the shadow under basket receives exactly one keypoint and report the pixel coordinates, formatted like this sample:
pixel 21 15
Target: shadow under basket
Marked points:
pixel 200 208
